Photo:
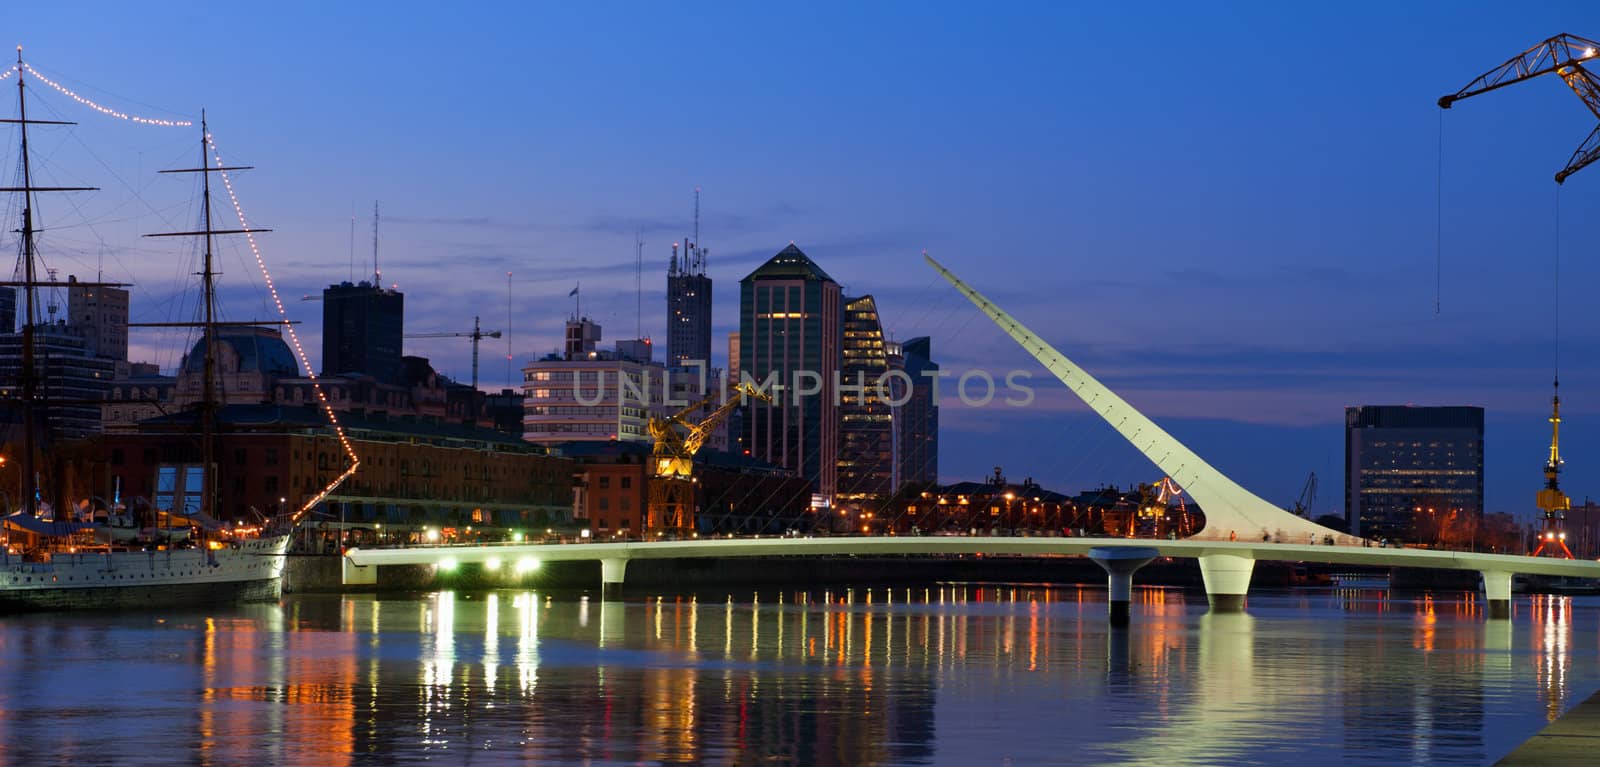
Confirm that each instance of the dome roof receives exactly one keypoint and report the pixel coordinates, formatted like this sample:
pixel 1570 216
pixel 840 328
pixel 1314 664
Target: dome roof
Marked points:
pixel 259 350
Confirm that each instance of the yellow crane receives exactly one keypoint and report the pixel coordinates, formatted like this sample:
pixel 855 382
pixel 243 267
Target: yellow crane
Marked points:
pixel 671 506
pixel 1551 500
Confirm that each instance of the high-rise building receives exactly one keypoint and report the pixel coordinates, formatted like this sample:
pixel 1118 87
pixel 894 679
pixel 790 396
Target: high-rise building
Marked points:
pixel 100 315
pixel 688 307
pixel 8 309
pixel 1408 469
pixel 789 316
pixel 71 380
pixel 589 395
pixel 917 420
pixel 734 426
pixel 866 429
pixel 362 328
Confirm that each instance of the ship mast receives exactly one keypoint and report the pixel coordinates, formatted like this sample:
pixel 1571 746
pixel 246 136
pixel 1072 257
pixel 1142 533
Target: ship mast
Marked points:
pixel 209 404
pixel 29 375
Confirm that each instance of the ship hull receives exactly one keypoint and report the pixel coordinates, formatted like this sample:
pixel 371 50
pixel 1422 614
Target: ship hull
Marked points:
pixel 134 580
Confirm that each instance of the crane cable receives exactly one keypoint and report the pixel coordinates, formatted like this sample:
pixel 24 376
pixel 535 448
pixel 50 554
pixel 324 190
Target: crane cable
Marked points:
pixel 1438 220
pixel 1555 299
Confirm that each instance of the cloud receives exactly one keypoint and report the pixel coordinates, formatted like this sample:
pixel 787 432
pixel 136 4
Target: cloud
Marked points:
pixel 477 222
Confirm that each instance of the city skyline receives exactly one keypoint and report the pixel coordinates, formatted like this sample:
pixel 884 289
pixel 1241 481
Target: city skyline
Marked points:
pixel 1262 256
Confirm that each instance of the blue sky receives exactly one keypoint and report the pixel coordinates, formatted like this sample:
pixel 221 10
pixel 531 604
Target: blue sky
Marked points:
pixel 1227 211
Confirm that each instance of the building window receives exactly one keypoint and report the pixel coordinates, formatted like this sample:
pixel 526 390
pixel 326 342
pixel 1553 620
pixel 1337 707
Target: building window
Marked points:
pixel 627 482
pixel 116 456
pixel 605 483
pixel 272 456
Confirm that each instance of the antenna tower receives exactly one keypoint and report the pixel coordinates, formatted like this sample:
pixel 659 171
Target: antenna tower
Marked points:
pixel 638 284
pixel 377 274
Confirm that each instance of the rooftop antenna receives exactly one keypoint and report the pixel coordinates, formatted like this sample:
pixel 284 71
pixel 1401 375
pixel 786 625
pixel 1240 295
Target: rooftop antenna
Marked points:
pixel 377 274
pixel 697 226
pixel 638 283
pixel 352 247
pixel 508 330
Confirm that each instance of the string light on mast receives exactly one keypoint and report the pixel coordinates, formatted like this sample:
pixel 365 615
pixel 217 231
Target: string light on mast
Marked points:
pixel 9 71
pixel 294 338
pixel 69 93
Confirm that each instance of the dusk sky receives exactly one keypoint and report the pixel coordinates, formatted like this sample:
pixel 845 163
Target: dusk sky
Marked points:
pixel 1227 212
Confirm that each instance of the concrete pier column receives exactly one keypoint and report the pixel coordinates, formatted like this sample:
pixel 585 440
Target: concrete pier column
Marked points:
pixel 1227 579
pixel 1120 562
pixel 613 627
pixel 611 573
pixel 1497 591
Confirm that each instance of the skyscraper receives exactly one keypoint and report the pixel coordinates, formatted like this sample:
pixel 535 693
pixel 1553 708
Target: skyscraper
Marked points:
pixel 362 327
pixel 917 420
pixel 8 309
pixel 1406 466
pixel 688 307
pixel 100 316
pixel 789 336
pixel 866 429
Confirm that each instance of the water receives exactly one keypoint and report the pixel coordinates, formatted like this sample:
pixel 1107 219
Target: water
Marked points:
pixel 959 674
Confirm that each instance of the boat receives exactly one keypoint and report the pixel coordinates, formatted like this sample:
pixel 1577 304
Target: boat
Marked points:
pixel 57 557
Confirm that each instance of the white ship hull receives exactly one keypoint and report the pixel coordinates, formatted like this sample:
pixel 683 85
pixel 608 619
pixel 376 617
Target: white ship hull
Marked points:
pixel 251 572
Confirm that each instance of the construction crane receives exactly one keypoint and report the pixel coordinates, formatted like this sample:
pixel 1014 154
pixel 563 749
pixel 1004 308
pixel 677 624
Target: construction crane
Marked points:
pixel 1552 501
pixel 1562 55
pixel 476 334
pixel 671 505
pixel 1308 497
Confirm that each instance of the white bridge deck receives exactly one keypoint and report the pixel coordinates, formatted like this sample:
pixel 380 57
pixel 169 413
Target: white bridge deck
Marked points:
pixel 892 545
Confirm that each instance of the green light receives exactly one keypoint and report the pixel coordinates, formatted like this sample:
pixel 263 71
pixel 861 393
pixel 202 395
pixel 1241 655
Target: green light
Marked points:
pixel 492 563
pixel 527 565
pixel 448 564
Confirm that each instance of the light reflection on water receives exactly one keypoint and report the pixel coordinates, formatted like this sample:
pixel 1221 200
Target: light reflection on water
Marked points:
pixel 950 675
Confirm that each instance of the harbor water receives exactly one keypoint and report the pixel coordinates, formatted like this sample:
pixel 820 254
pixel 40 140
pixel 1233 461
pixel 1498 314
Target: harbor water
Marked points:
pixel 953 674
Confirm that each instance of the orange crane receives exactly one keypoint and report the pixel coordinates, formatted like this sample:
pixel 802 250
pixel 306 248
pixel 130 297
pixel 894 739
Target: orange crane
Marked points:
pixel 1561 55
pixel 476 334
pixel 671 505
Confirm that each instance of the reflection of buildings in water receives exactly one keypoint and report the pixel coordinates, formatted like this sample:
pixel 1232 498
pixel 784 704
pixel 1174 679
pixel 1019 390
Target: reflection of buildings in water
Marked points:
pixel 1420 698
pixel 564 681
pixel 1226 710
pixel 273 692
pixel 1552 637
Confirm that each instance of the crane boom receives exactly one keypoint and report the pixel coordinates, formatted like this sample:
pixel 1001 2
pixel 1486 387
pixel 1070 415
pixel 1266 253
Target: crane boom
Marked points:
pixel 476 334
pixel 1562 55
pixel 671 504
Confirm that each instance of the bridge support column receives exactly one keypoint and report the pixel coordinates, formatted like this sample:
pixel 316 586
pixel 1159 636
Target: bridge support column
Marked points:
pixel 1497 591
pixel 611 573
pixel 1227 579
pixel 1120 563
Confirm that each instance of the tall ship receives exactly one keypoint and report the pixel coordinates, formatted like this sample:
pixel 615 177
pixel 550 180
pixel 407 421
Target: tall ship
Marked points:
pixel 56 556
